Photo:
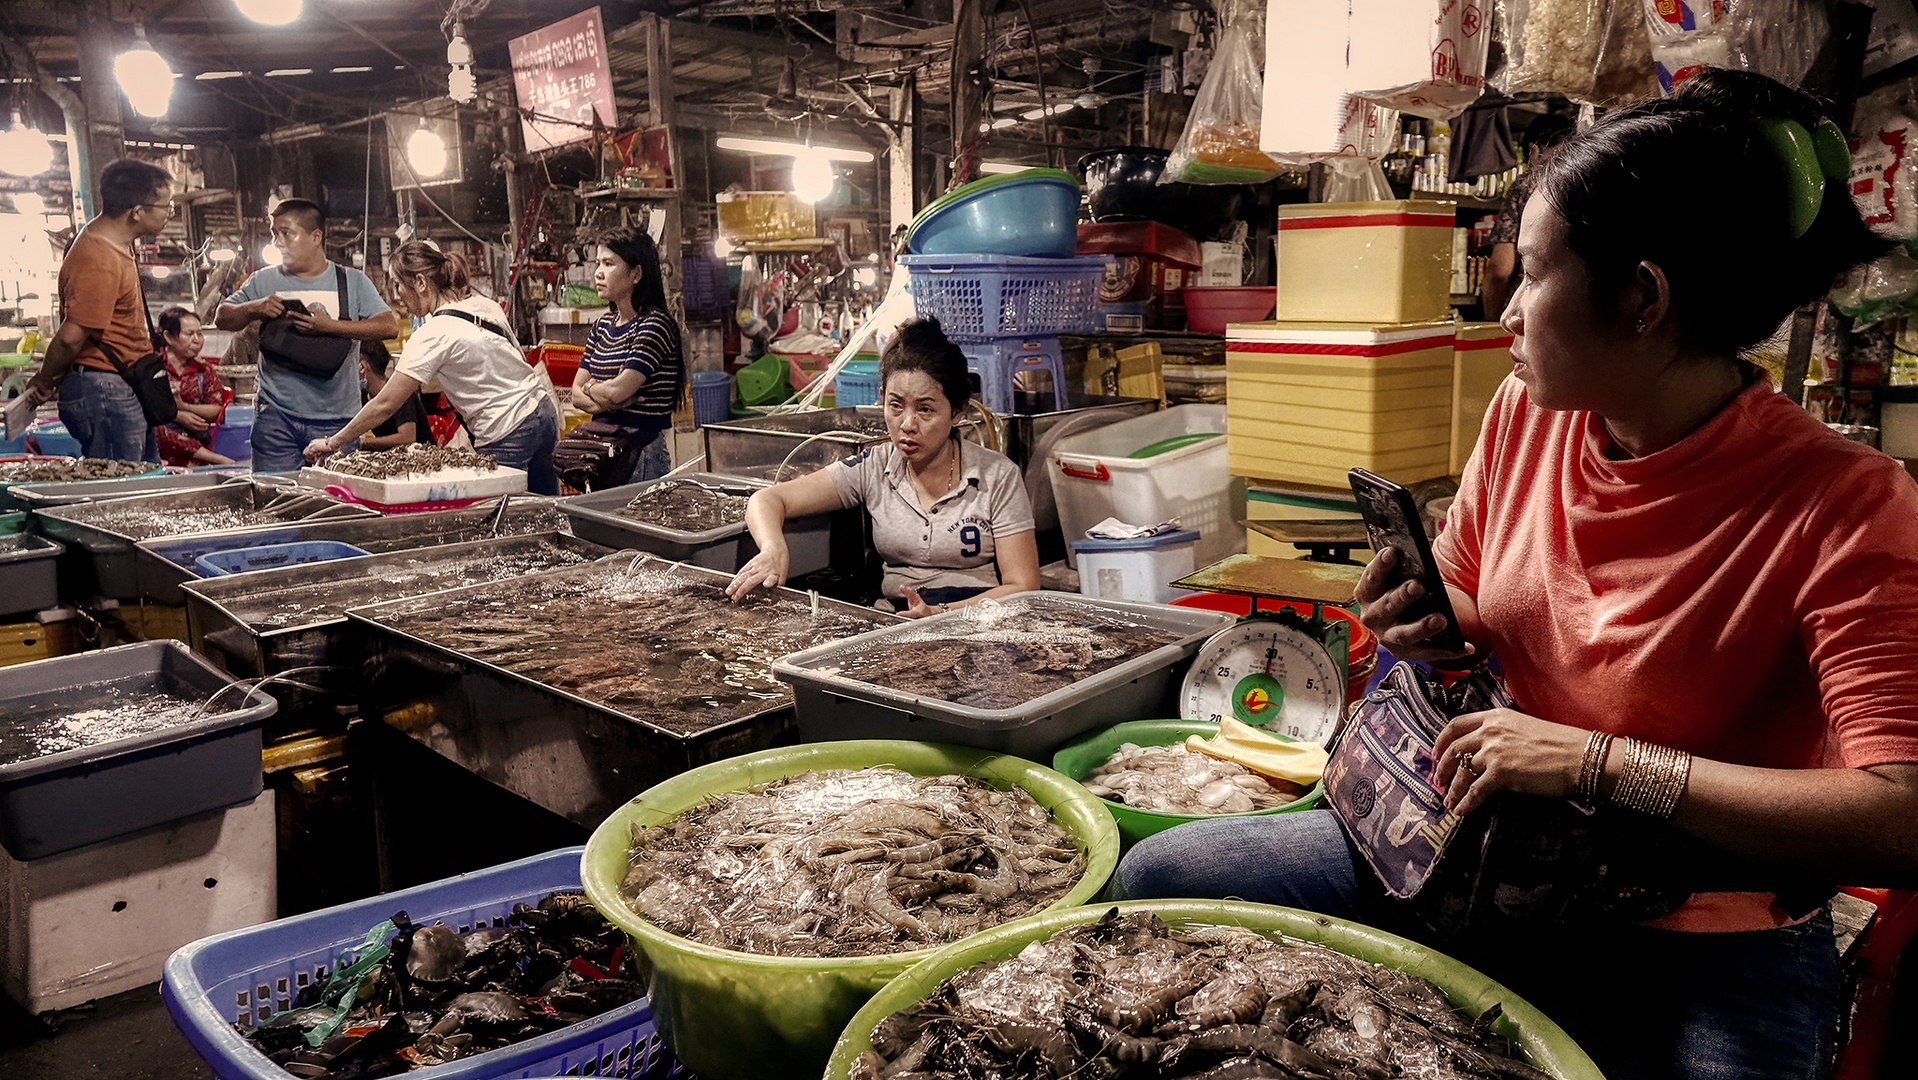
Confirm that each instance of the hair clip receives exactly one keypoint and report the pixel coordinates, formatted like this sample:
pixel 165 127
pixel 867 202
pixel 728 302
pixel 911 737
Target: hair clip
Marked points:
pixel 1805 168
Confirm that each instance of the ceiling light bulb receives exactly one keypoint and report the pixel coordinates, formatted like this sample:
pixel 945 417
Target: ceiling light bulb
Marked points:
pixel 29 203
pixel 722 247
pixel 24 151
pixel 270 12
pixel 461 86
pixel 159 273
pixel 270 255
pixel 426 151
pixel 145 77
pixel 812 177
pixel 223 254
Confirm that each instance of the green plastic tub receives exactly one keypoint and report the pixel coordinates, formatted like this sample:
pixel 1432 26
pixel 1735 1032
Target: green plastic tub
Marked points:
pixel 1548 1047
pixel 732 1015
pixel 1082 755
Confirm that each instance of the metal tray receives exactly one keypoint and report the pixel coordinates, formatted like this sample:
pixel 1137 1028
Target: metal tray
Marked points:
pixel 63 801
pixel 227 617
pixel 164 565
pixel 801 442
pixel 727 548
pixel 577 757
pixel 831 706
pixel 113 556
pixel 28 577
pixel 33 496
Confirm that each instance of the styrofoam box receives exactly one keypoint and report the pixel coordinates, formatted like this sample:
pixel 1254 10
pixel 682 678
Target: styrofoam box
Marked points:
pixel 1365 261
pixel 100 919
pixel 1140 569
pixel 1482 358
pixel 408 490
pixel 1309 401
pixel 1094 479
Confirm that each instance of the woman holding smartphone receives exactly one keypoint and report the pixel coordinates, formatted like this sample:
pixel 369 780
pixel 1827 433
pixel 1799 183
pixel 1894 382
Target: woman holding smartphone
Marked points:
pixel 1700 599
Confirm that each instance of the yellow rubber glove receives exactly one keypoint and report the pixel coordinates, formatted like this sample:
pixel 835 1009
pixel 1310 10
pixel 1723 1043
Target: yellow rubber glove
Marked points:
pixel 1263 752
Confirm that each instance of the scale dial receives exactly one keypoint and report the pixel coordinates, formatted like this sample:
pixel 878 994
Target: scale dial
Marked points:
pixel 1269 674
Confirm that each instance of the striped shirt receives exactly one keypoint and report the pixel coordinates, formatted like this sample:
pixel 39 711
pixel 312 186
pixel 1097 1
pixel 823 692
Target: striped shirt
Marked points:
pixel 648 344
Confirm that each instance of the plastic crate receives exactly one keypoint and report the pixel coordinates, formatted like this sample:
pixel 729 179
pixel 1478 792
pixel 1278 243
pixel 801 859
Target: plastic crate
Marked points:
pixel 1095 477
pixel 273 557
pixel 982 297
pixel 247 975
pixel 27 579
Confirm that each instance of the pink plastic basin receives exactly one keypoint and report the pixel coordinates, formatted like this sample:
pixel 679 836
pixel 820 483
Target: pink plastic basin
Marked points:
pixel 1209 307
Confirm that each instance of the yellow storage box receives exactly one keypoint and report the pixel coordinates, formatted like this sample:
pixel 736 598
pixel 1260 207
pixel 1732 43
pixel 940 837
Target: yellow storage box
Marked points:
pixel 1384 262
pixel 1482 360
pixel 1308 401
pixel 763 216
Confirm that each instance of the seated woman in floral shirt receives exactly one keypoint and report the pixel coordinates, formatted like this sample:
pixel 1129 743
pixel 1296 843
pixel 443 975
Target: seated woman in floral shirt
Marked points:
pixel 197 390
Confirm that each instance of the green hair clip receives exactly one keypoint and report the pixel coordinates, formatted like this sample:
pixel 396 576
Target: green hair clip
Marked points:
pixel 1810 158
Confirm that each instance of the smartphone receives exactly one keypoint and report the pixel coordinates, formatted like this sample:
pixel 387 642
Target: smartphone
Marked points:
pixel 1392 520
pixel 296 307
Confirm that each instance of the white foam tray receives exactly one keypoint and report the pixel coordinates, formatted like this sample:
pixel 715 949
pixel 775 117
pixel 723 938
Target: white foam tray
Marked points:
pixel 405 490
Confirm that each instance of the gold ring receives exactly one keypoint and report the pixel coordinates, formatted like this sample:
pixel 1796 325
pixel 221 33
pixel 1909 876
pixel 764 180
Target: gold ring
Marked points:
pixel 1465 762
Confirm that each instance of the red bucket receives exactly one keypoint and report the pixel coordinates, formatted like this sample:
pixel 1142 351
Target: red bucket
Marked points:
pixel 1363 653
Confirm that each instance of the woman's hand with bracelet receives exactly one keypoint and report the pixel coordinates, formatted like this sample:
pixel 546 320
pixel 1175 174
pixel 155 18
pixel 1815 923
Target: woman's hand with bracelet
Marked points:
pixel 1480 754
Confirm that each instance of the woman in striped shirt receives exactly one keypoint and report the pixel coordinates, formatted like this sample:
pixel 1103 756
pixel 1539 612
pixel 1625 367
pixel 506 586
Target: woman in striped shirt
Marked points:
pixel 632 374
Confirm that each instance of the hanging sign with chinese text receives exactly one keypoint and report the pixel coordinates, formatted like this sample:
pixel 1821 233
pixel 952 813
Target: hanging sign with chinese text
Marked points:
pixel 562 79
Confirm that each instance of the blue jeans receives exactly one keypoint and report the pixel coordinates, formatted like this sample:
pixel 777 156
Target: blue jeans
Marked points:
pixel 1643 1003
pixel 101 411
pixel 653 462
pixel 530 447
pixel 280 438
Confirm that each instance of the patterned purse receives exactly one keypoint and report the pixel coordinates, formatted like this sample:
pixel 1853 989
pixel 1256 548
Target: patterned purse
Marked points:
pixel 1522 857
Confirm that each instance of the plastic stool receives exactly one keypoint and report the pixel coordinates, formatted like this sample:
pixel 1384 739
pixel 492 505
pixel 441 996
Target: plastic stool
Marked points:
pixel 998 362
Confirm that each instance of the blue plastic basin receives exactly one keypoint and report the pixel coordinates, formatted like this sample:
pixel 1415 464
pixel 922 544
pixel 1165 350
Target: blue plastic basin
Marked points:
pixel 1031 213
pixel 234 437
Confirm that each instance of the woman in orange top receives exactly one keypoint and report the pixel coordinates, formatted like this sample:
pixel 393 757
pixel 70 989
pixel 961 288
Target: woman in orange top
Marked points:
pixel 1701 600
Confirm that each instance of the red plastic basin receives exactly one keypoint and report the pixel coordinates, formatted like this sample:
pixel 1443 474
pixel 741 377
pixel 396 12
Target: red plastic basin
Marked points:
pixel 1208 308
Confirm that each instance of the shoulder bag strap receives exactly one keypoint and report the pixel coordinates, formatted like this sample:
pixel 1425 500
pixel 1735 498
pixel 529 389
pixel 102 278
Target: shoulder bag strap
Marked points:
pixel 339 274
pixel 153 338
pixel 483 324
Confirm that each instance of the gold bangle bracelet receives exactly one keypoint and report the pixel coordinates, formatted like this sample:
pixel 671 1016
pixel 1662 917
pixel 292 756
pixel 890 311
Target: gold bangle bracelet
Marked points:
pixel 1591 769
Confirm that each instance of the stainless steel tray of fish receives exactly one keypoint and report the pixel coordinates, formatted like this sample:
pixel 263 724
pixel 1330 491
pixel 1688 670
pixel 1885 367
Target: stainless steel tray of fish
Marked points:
pixel 1012 661
pixel 32 496
pixel 108 531
pixel 579 688
pixel 29 580
pixel 103 743
pixel 274 621
pixel 724 547
pixel 785 445
pixel 165 565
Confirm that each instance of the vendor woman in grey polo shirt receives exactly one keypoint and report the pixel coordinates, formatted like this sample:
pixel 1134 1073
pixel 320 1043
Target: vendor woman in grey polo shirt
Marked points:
pixel 949 519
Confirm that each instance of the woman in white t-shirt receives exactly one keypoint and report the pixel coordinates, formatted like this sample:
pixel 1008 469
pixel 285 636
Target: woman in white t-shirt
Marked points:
pixel 467 346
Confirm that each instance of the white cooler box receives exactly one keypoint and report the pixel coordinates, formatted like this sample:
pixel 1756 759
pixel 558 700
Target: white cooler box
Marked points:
pixel 1141 568
pixel 1094 477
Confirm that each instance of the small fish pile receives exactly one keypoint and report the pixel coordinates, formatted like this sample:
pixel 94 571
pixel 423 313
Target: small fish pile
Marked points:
pixel 428 995
pixel 59 470
pixel 329 599
pixel 850 863
pixel 416 459
pixel 1126 997
pixel 1174 780
pixel 685 506
pixel 145 523
pixel 1002 654
pixel 37 727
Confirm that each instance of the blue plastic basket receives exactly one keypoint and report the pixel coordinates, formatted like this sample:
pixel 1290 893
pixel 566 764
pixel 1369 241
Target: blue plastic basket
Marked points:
pixel 273 556
pixel 856 384
pixel 247 975
pixel 983 297
pixel 712 396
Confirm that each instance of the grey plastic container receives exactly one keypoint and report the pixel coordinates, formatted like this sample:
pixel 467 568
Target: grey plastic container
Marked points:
pixel 830 706
pixel 33 496
pixel 67 800
pixel 29 577
pixel 727 548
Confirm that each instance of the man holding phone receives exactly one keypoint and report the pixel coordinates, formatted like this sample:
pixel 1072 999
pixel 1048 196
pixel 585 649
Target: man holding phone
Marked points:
pixel 295 405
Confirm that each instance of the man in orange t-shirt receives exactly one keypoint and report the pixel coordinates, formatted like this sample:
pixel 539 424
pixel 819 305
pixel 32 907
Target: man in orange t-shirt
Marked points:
pixel 101 305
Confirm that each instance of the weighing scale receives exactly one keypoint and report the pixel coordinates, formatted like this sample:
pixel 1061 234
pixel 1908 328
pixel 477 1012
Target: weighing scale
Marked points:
pixel 1278 670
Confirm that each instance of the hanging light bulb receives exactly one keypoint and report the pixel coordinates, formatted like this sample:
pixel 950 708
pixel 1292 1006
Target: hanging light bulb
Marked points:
pixel 144 76
pixel 159 273
pixel 270 255
pixel 461 86
pixel 812 176
pixel 225 254
pixel 426 151
pixel 23 150
pixel 29 203
pixel 269 12
pixel 722 247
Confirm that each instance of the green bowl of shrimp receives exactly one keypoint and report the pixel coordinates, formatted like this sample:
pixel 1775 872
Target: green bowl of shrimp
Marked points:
pixel 731 1015
pixel 1079 757
pixel 1546 1046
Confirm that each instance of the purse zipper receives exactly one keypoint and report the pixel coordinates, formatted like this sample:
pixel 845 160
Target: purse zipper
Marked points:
pixel 1420 788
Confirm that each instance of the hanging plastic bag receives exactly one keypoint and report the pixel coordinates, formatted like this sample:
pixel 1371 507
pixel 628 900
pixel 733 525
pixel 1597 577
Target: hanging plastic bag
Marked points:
pixel 1593 51
pixel 1221 140
pixel 1424 57
pixel 1884 157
